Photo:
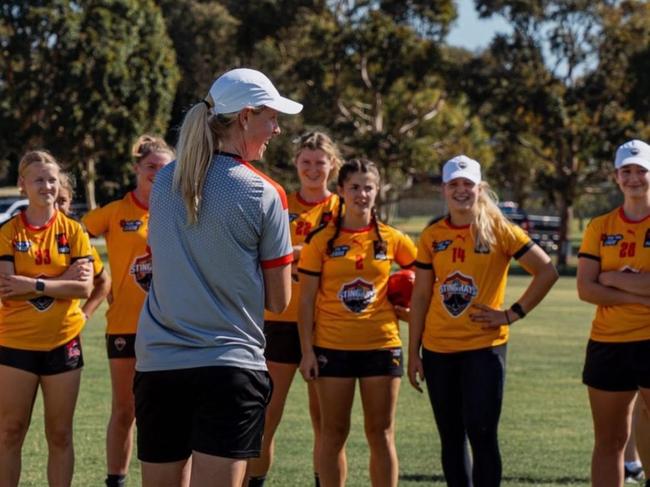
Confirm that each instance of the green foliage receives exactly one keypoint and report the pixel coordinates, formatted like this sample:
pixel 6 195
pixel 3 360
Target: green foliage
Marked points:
pixel 86 80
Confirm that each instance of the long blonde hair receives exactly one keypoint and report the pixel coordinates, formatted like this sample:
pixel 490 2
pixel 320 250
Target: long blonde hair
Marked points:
pixel 489 219
pixel 33 157
pixel 149 144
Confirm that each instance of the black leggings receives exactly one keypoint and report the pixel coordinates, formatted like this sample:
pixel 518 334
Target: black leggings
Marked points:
pixel 466 392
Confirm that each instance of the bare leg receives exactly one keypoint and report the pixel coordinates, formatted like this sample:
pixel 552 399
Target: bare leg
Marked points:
pixel 172 474
pixel 642 428
pixel 119 434
pixel 335 426
pixel 282 376
pixel 15 415
pixel 211 471
pixel 611 413
pixel 379 397
pixel 60 393
pixel 314 414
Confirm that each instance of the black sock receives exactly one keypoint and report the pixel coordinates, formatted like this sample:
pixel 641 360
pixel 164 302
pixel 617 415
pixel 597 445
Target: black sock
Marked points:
pixel 256 481
pixel 115 480
pixel 316 480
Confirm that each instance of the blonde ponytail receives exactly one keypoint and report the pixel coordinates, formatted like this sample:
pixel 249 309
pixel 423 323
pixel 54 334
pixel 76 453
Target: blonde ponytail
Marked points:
pixel 199 138
pixel 489 219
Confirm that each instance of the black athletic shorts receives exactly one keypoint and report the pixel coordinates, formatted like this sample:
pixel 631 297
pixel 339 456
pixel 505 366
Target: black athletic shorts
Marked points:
pixel 359 363
pixel 218 411
pixel 120 346
pixel 617 366
pixel 282 342
pixel 56 361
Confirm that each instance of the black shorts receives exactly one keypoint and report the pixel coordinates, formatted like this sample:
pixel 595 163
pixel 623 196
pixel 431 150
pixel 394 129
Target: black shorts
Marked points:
pixel 218 411
pixel 120 346
pixel 282 342
pixel 617 366
pixel 359 363
pixel 56 361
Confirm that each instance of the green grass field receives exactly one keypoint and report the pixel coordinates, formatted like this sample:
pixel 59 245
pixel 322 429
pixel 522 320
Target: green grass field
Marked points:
pixel 545 428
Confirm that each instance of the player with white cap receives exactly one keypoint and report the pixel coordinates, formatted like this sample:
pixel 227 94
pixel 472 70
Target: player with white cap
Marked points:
pixel 458 330
pixel 221 249
pixel 614 274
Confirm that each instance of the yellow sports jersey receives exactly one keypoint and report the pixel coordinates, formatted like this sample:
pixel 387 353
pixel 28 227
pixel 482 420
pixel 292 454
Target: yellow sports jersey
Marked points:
pixel 464 276
pixel 41 323
pixel 303 218
pixel 124 223
pixel 619 244
pixel 352 310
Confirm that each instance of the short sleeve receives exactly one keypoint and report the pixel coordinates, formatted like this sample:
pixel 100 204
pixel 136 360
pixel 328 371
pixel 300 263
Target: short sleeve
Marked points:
pixel 97 221
pixel 6 242
pixel 405 250
pixel 590 246
pixel 275 242
pixel 311 258
pixel 517 242
pixel 79 243
pixel 98 265
pixel 424 258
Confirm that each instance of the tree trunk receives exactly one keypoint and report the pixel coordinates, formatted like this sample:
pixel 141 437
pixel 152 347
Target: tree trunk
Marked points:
pixel 564 250
pixel 89 183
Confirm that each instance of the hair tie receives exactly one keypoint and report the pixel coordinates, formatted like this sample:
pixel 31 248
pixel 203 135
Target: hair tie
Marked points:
pixel 206 104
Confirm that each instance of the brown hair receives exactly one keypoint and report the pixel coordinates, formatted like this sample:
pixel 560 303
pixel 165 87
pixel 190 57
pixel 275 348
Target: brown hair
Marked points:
pixel 149 144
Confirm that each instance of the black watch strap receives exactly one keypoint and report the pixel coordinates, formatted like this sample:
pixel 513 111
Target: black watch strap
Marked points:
pixel 40 285
pixel 518 310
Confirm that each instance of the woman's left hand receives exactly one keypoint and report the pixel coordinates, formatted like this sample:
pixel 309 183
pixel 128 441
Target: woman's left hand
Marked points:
pixel 14 285
pixel 488 317
pixel 402 313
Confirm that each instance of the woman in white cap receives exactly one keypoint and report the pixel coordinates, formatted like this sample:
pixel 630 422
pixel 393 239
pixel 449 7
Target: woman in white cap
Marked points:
pixel 221 249
pixel 459 328
pixel 614 274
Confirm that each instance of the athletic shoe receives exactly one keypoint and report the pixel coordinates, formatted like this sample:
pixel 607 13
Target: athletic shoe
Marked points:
pixel 634 475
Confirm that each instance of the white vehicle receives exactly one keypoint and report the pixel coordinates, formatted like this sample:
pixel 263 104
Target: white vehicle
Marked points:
pixel 12 209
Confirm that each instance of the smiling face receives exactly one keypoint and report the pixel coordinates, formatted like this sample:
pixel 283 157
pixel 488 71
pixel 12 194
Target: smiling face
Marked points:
pixel 40 182
pixel 633 180
pixel 359 191
pixel 147 168
pixel 314 168
pixel 258 130
pixel 461 195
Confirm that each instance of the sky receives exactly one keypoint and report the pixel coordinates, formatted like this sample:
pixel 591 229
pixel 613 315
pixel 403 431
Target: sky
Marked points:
pixel 471 32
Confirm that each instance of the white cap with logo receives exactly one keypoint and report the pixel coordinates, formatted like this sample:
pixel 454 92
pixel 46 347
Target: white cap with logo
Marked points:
pixel 240 88
pixel 461 167
pixel 633 152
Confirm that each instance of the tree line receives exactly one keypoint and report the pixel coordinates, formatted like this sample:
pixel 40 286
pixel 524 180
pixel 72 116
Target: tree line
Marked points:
pixel 542 107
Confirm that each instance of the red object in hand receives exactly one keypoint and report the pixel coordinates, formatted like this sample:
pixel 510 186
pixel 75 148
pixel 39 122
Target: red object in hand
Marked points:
pixel 400 287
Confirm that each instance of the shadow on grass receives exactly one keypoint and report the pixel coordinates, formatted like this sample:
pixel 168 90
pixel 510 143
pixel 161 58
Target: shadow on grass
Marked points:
pixel 416 477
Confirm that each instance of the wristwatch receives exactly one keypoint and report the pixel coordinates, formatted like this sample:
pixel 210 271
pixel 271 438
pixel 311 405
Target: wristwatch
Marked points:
pixel 40 286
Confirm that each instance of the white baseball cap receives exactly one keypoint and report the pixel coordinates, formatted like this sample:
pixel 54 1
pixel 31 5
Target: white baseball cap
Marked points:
pixel 461 167
pixel 240 88
pixel 633 152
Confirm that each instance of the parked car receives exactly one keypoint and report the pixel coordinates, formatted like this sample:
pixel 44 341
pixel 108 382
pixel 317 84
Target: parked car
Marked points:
pixel 543 229
pixel 9 209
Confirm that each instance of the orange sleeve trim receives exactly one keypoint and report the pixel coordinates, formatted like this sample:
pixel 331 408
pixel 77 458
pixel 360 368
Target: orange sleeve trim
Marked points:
pixel 280 261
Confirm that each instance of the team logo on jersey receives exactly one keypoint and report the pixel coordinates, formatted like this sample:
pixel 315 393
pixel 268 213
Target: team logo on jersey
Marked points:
pixel 457 293
pixel 130 225
pixel 22 245
pixel 141 271
pixel 357 295
pixel 381 249
pixel 439 246
pixel 293 216
pixel 629 270
pixel 62 243
pixel 611 240
pixel 646 240
pixel 340 250
pixel 119 343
